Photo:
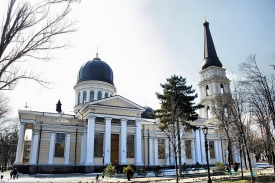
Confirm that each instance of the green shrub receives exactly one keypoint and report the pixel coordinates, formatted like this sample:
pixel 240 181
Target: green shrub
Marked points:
pixel 219 166
pixel 157 171
pixel 110 171
pixel 141 172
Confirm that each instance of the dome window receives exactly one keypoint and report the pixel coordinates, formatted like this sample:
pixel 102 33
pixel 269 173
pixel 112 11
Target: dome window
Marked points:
pixel 207 90
pixel 78 99
pixel 92 96
pixel 222 89
pixel 99 95
pixel 208 112
pixel 106 95
pixel 84 97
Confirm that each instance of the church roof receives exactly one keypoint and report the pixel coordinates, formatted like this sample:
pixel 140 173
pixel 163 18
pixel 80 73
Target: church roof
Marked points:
pixel 95 69
pixel 210 55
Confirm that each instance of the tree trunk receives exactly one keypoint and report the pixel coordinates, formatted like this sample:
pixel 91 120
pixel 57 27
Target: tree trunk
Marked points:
pixel 249 160
pixel 179 147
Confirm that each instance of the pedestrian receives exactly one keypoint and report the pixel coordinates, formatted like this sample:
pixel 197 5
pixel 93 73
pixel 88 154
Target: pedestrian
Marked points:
pixel 2 178
pixel 11 173
pixel 227 168
pixel 14 173
pixel 96 178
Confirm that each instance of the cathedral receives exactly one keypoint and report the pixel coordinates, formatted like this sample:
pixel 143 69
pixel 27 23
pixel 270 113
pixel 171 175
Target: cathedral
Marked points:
pixel 109 128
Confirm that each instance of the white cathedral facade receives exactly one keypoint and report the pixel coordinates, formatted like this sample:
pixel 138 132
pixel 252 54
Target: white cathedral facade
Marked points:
pixel 108 128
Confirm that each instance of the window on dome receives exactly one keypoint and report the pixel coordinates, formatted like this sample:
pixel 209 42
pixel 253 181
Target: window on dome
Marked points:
pixel 84 97
pixel 222 89
pixel 78 99
pixel 207 90
pixel 130 146
pixel 106 95
pixel 59 145
pixel 92 94
pixel 99 95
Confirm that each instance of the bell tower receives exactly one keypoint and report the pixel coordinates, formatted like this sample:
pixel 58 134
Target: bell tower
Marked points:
pixel 213 77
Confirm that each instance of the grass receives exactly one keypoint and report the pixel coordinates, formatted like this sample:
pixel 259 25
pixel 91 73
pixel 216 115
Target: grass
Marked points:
pixel 258 179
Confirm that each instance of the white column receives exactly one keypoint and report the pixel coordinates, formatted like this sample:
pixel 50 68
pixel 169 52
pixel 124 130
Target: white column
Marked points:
pixel 193 151
pixel 90 141
pixel 95 94
pixel 183 158
pixel 51 150
pixel 81 96
pixel 34 148
pixel 67 149
pixel 88 95
pixel 76 98
pixel 107 141
pixel 167 151
pixel 138 144
pixel 221 151
pixel 20 145
pixel 203 155
pixel 156 154
pixel 198 146
pixel 151 160
pixel 123 142
pixel 216 149
pixel 82 155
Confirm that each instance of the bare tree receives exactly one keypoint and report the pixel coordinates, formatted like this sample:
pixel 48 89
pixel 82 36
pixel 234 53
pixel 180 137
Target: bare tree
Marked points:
pixel 5 111
pixel 29 32
pixel 221 104
pixel 260 89
pixel 9 138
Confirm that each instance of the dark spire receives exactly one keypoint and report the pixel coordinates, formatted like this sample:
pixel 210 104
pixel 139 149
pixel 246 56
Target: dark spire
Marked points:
pixel 210 55
pixel 58 107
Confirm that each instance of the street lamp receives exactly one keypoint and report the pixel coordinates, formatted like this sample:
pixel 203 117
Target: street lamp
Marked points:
pixel 205 131
pixel 103 165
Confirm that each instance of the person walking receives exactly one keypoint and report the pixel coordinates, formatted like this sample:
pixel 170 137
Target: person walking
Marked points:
pixel 15 174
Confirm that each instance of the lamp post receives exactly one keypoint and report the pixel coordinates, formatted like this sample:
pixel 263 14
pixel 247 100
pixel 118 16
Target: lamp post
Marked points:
pixel 103 165
pixel 205 131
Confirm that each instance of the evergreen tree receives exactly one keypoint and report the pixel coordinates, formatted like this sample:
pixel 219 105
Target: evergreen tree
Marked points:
pixel 177 108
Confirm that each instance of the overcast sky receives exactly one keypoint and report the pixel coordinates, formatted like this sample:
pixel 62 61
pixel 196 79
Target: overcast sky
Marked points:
pixel 145 42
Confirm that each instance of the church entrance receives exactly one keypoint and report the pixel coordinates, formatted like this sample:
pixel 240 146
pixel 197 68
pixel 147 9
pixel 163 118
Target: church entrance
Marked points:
pixel 114 149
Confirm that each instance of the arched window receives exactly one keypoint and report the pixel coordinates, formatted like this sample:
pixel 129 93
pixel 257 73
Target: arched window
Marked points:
pixel 84 97
pixel 208 112
pixel 99 95
pixel 207 90
pixel 92 94
pixel 222 89
pixel 78 99
pixel 106 95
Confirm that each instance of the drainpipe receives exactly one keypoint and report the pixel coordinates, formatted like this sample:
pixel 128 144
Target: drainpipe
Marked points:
pixel 148 149
pixel 76 131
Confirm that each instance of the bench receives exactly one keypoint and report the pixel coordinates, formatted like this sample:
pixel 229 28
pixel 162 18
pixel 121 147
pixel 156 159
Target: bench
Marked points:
pixel 232 172
pixel 254 173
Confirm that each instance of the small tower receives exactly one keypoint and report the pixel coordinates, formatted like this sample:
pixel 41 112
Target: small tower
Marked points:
pixel 58 107
pixel 213 77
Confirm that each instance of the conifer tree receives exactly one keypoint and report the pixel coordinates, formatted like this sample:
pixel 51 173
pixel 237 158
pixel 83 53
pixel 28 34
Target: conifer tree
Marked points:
pixel 177 110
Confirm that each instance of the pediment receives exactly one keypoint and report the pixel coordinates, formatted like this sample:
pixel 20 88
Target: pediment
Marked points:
pixel 119 102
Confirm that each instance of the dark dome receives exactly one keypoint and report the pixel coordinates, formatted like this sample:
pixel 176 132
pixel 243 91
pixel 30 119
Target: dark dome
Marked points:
pixel 145 113
pixel 95 70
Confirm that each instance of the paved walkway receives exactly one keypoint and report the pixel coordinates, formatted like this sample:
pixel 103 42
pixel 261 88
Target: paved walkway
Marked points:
pixel 84 178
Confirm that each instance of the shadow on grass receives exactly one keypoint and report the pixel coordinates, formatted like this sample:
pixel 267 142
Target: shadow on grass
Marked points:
pixel 258 179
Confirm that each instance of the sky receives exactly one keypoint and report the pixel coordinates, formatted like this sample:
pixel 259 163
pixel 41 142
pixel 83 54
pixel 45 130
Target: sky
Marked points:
pixel 147 41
